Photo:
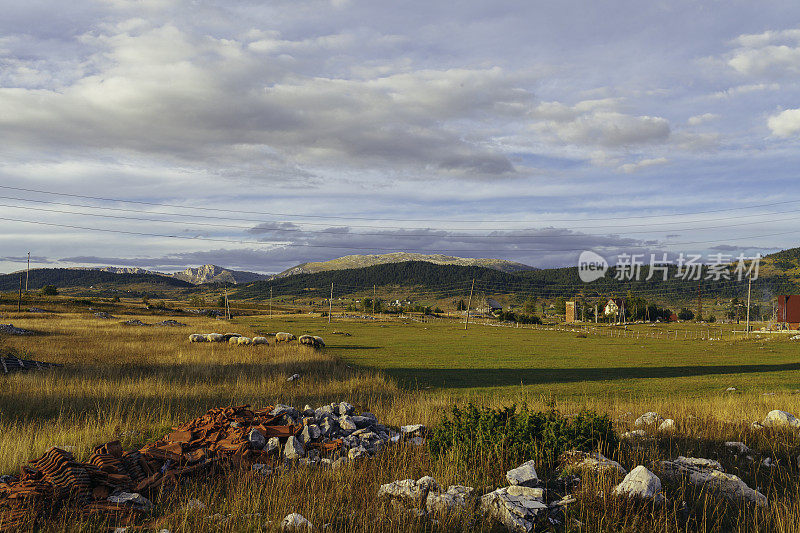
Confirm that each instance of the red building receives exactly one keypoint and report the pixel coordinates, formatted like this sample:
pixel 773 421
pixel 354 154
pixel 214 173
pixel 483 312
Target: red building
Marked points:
pixel 787 312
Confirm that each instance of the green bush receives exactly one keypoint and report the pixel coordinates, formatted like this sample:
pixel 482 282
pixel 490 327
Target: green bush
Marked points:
pixel 49 290
pixel 510 436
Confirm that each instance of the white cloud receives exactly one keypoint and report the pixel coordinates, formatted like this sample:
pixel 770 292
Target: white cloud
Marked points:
pixel 772 54
pixel 696 120
pixel 630 168
pixel 162 90
pixel 746 89
pixel 611 129
pixel 785 123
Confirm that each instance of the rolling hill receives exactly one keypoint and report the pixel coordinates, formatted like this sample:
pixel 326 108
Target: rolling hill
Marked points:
pixel 361 261
pixel 83 278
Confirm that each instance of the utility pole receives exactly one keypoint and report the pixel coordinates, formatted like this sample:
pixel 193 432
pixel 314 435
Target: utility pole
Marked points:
pixel 749 283
pixel 699 303
pixel 330 305
pixel 373 301
pixel 28 272
pixel 227 305
pixel 270 301
pixel 469 304
pixel 19 301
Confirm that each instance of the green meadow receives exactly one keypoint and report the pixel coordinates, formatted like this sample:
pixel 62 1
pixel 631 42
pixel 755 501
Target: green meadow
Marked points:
pixel 441 355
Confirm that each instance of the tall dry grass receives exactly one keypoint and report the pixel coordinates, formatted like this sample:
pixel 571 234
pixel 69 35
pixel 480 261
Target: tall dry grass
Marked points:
pixel 134 383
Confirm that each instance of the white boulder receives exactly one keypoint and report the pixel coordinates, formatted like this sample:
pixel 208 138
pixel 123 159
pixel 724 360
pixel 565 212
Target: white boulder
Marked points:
pixel 709 474
pixel 516 507
pixel 525 475
pixel 450 502
pixel 409 489
pixel 294 448
pixel 667 426
pixel 640 483
pixel 594 461
pixel 778 418
pixel 296 522
pixel 648 419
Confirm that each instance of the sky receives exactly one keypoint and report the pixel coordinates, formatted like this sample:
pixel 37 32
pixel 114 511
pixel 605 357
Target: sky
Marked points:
pixel 257 135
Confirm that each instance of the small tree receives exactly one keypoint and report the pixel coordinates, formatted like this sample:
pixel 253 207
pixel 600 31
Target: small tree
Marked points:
pixel 529 307
pixel 49 290
pixel 221 301
pixel 685 314
pixel 197 300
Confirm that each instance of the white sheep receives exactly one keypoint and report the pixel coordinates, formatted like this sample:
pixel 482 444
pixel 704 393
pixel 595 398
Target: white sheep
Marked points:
pixel 284 337
pixel 214 337
pixel 260 340
pixel 311 340
pixel 244 341
pixel 197 337
pixel 234 340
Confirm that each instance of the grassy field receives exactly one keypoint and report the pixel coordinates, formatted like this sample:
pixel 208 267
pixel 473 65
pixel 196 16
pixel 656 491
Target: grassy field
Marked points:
pixel 440 355
pixel 134 383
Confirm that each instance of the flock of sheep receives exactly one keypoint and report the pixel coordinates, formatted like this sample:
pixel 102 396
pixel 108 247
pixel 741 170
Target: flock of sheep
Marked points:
pixel 235 338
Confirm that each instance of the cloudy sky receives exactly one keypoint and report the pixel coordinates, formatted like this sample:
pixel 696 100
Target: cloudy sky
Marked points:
pixel 257 135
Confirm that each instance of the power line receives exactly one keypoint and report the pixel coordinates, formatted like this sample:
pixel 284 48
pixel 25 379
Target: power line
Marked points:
pixel 278 243
pixel 383 234
pixel 99 198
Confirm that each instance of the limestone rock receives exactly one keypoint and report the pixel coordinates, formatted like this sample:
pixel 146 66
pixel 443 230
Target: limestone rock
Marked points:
pixel 595 461
pixel 132 499
pixel 709 473
pixel 414 430
pixel 346 423
pixel 294 448
pixel 525 474
pixel 648 419
pixel 409 489
pixel 296 522
pixel 737 448
pixel 667 426
pixel 310 433
pixel 778 418
pixel 273 444
pixel 450 502
pixel 257 439
pixel 634 434
pixel 640 483
pixel 517 511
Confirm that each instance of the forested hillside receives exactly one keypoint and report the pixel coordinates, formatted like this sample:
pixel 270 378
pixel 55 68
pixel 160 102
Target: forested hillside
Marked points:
pixel 69 277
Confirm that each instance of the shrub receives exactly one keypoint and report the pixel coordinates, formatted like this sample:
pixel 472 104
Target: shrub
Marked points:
pixel 510 436
pixel 49 290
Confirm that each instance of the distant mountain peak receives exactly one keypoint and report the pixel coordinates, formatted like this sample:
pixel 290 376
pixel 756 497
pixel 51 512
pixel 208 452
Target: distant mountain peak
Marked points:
pixel 361 261
pixel 216 274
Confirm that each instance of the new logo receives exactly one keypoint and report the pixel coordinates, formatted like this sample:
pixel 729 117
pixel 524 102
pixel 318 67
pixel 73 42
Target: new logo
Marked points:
pixel 591 266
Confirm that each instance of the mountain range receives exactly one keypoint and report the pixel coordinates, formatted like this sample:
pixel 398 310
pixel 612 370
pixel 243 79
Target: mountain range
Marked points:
pixel 362 261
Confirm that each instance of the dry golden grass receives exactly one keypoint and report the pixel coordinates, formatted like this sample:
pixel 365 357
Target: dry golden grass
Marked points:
pixel 133 383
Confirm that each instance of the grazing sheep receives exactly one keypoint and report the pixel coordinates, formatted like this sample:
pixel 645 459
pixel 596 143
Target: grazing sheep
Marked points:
pixel 310 340
pixel 284 337
pixel 215 337
pixel 260 340
pixel 234 340
pixel 244 341
pixel 197 337
pixel 228 336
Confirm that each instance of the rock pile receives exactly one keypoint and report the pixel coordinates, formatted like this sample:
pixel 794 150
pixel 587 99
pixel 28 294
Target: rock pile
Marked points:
pixel 262 440
pixel 709 474
pixel 11 330
pixel 15 364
